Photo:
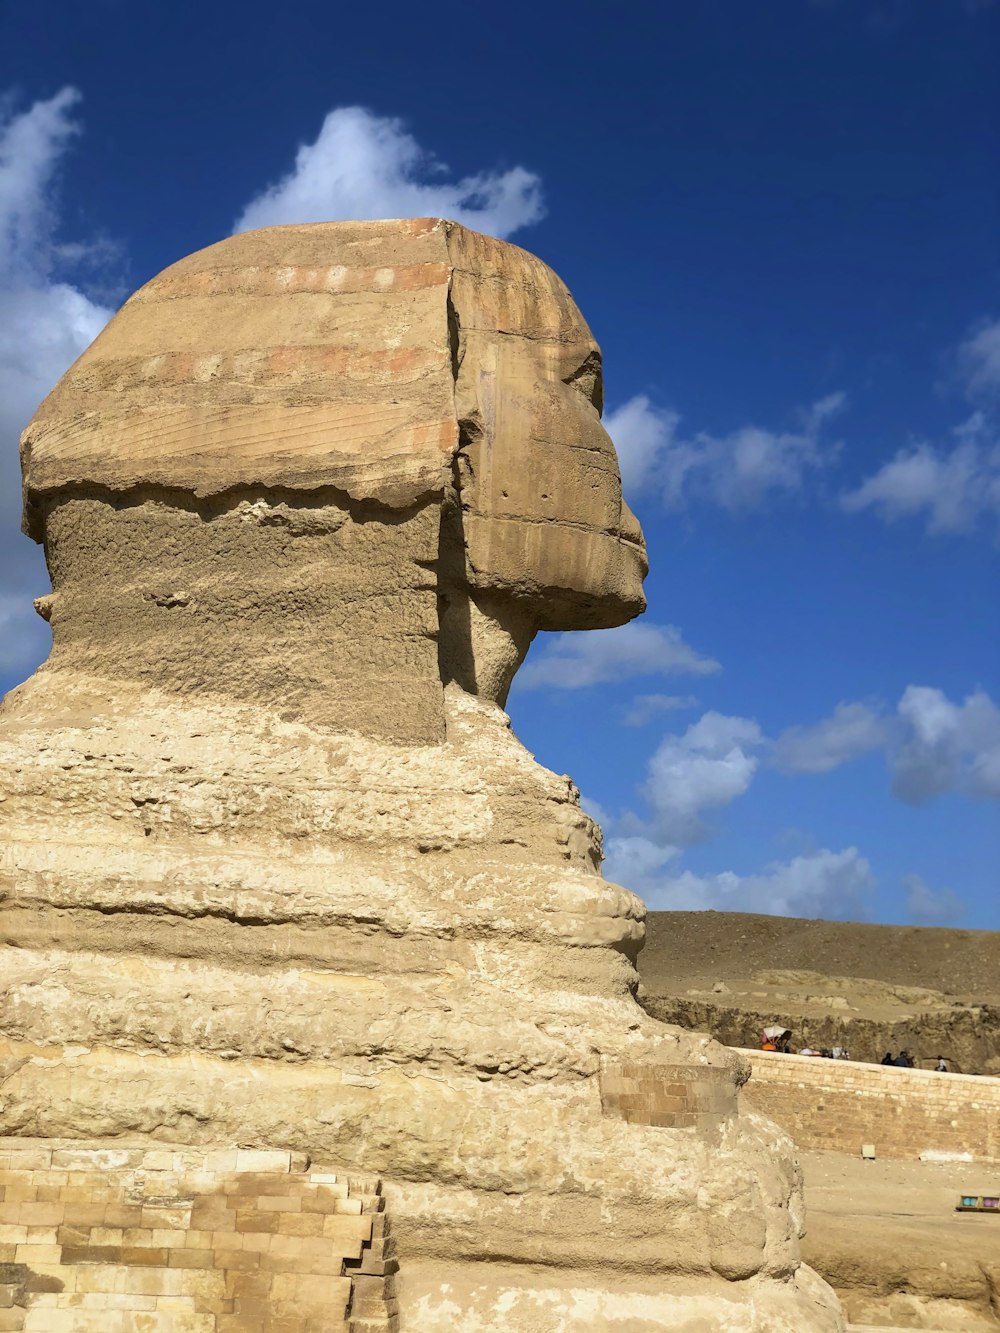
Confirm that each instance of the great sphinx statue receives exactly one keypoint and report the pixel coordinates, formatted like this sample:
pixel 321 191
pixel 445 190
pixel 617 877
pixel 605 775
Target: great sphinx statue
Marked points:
pixel 275 870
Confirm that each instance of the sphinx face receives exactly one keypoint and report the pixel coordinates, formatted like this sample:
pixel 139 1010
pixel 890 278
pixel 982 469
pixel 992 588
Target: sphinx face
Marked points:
pixel 544 517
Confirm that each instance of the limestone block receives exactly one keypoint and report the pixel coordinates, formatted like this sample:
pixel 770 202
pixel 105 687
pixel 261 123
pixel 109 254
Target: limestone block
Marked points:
pixel 175 1277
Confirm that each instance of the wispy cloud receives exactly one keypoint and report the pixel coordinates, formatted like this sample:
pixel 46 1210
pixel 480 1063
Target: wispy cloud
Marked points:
pixel 574 660
pixel 951 488
pixel 644 707
pixel 944 746
pixel 697 772
pixel 931 744
pixel 47 322
pixel 853 729
pixel 952 485
pixel 743 469
pixel 978 360
pixel 362 165
pixel 930 907
pixel 643 434
pixel 824 883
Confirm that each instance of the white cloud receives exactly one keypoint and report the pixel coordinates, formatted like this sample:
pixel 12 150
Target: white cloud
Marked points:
pixel 591 657
pixel 952 488
pixel 852 730
pixel 741 470
pixel 931 745
pixel 930 907
pixel 713 763
pixel 47 322
pixel 835 885
pixel 597 812
pixel 954 485
pixel 366 166
pixel 942 745
pixel 979 360
pixel 644 707
pixel 642 434
pixel 635 860
pixel 706 768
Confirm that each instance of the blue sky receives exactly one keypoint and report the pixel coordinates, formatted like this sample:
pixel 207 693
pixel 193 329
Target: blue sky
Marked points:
pixel 781 220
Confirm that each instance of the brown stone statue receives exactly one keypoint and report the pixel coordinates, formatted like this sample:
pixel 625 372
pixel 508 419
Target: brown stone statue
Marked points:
pixel 274 870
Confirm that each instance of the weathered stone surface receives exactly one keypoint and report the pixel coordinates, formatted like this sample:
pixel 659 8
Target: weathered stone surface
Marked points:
pixel 275 871
pixel 282 358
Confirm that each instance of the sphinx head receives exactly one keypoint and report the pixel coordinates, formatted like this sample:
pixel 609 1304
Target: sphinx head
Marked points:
pixel 332 468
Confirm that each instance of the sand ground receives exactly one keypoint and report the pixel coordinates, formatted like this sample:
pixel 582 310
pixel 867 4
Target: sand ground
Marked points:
pixel 887 1236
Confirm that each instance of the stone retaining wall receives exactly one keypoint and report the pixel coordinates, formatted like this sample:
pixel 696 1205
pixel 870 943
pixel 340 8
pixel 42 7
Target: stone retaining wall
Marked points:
pixel 115 1240
pixel 841 1104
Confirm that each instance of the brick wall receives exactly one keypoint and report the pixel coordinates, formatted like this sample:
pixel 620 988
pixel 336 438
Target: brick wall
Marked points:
pixel 840 1104
pixel 113 1240
pixel 696 1097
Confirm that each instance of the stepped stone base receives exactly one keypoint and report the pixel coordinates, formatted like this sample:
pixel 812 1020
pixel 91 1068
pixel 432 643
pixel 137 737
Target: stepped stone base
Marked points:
pixel 98 1239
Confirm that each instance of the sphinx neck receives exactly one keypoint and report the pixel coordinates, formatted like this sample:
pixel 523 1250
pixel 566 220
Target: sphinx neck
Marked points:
pixel 303 609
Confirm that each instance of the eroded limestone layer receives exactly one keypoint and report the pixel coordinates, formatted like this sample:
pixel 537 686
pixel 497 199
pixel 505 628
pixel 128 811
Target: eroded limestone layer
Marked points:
pixel 274 869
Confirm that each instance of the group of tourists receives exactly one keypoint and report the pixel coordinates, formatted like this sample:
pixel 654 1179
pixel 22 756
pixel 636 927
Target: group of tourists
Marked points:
pixel 780 1039
pixel 904 1060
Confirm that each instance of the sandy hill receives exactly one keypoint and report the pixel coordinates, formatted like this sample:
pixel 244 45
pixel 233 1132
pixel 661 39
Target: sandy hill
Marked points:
pixel 871 988
pixel 693 946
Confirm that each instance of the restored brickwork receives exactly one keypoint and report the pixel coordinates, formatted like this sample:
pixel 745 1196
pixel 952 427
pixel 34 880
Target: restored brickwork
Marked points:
pixel 904 1112
pixel 671 1096
pixel 134 1240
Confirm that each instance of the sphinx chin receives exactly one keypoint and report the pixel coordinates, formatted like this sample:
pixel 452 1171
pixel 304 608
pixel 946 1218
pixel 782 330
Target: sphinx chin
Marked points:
pixel 276 872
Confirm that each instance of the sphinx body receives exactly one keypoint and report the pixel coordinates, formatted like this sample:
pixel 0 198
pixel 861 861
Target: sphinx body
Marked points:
pixel 274 868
